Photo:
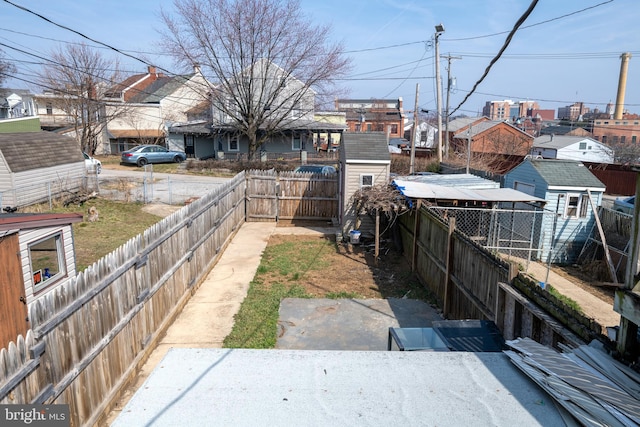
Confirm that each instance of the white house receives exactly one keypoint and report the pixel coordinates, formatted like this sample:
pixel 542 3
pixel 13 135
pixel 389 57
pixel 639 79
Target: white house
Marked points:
pixel 566 147
pixel 143 106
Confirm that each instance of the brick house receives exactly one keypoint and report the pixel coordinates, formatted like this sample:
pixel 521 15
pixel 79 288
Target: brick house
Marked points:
pixel 373 115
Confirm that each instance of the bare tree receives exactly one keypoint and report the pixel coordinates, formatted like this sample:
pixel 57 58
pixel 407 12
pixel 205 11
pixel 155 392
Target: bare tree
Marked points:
pixel 7 69
pixel 77 77
pixel 268 61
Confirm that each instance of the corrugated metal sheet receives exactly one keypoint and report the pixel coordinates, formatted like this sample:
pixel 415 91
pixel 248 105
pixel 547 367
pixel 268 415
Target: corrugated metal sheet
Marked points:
pixel 418 190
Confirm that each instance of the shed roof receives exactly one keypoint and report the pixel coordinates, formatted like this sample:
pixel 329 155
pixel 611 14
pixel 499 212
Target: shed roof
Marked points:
pixel 19 221
pixel 34 150
pixel 459 180
pixel 371 146
pixel 565 173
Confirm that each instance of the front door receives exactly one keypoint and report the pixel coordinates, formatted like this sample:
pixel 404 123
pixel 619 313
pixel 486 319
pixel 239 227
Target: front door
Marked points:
pixel 13 304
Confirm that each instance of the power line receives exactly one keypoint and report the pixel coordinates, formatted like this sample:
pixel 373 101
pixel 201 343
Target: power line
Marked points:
pixel 502 49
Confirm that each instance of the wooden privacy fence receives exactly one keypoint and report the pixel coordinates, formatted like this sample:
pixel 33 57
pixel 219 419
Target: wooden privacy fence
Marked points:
pixel 473 283
pixel 273 196
pixel 88 338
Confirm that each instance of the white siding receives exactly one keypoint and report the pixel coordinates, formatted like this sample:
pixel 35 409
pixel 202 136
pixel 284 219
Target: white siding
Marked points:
pixel 29 236
pixel 7 198
pixel 35 185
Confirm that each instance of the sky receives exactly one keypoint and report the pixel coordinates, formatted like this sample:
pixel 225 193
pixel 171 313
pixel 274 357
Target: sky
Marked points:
pixel 564 52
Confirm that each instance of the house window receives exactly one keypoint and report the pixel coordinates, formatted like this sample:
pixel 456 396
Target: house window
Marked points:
pixel 604 139
pixel 615 139
pixel 369 128
pixel 583 146
pixel 357 127
pixel 394 129
pixel 623 139
pixel 49 109
pixel 366 180
pixel 634 139
pixel 234 144
pixel 576 205
pixel 47 261
pixel 296 143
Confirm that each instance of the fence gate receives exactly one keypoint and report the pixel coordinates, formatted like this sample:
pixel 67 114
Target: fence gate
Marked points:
pixel 262 196
pixel 291 196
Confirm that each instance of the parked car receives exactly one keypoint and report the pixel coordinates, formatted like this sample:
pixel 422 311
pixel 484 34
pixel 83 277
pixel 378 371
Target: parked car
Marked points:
pixel 315 169
pixel 93 165
pixel 143 154
pixel 624 204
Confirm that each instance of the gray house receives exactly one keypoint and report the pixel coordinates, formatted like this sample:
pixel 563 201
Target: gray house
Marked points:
pixel 35 165
pixel 570 191
pixel 283 105
pixel 364 162
pixel 568 147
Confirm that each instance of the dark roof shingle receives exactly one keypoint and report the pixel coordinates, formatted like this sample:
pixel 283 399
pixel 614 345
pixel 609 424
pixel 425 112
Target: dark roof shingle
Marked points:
pixel 35 150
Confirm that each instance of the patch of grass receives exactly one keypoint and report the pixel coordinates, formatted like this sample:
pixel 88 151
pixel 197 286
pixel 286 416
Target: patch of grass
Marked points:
pixel 117 223
pixel 256 324
pixel 291 260
pixel 564 299
pixel 342 294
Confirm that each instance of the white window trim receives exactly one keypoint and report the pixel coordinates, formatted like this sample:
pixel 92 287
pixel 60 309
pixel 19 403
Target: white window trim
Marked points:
pixel 566 197
pixel 361 181
pixel 62 271
pixel 231 138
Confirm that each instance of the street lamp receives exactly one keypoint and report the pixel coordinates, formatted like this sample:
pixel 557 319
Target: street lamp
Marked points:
pixel 439 31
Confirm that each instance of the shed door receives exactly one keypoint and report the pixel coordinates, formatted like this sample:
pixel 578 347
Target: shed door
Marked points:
pixel 13 310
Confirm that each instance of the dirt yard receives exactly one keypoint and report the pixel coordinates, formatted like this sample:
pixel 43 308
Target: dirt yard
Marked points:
pixel 353 272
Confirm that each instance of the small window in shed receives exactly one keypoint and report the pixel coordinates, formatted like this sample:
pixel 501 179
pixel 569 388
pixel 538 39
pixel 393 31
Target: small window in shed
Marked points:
pixel 47 261
pixel 576 205
pixel 366 180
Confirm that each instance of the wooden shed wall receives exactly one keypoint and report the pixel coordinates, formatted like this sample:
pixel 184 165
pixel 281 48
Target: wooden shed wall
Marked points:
pixel 351 179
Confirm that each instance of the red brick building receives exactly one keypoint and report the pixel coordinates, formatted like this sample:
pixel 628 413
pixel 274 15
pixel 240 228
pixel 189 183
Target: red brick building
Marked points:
pixel 373 115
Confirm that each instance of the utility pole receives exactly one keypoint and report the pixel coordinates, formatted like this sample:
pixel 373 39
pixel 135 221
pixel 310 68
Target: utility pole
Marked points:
pixel 439 31
pixel 414 133
pixel 446 123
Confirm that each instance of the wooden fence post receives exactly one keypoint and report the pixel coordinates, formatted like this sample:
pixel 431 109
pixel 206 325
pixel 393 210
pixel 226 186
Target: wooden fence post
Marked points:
pixel 416 232
pixel 448 266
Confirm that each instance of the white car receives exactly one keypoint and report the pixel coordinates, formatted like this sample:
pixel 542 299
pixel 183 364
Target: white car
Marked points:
pixel 93 165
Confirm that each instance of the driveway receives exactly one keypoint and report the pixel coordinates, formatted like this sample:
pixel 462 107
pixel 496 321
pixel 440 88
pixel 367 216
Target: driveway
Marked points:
pixel 148 187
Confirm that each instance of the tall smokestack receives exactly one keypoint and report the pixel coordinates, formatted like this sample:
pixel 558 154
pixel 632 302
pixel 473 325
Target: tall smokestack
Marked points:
pixel 622 85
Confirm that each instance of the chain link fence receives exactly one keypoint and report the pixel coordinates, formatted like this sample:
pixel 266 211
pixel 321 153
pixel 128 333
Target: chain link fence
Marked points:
pixel 150 188
pixel 514 233
pixel 53 192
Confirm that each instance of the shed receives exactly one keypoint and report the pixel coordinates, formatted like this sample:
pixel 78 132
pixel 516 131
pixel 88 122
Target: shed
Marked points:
pixel 571 191
pixel 34 165
pixel 364 162
pixel 37 256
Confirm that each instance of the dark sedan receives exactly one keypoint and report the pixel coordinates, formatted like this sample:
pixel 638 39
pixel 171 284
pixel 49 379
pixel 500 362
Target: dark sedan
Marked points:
pixel 144 154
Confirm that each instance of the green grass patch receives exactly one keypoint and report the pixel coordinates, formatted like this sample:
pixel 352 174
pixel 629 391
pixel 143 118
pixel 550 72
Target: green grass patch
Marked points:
pixel 117 223
pixel 564 299
pixel 342 294
pixel 291 260
pixel 256 324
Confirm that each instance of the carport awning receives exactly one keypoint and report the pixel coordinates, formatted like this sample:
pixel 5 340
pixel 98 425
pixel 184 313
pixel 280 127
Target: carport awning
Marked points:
pixel 420 190
pixel 135 133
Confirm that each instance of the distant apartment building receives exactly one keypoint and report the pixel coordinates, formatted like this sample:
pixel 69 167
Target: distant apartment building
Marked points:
pixel 373 115
pixel 573 112
pixel 508 109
